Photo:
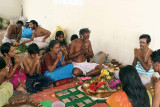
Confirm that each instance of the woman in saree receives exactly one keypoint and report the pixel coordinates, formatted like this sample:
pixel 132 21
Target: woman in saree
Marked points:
pixel 6 88
pixel 133 94
pixel 16 74
pixel 53 64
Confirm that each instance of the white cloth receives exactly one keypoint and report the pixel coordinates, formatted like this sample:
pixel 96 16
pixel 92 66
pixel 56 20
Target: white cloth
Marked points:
pixel 85 66
pixel 38 41
pixel 145 79
pixel 6 39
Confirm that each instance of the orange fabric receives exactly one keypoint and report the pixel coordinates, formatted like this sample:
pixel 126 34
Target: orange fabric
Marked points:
pixel 119 99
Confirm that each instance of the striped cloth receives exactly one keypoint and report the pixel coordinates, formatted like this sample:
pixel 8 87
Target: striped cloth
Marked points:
pixel 142 71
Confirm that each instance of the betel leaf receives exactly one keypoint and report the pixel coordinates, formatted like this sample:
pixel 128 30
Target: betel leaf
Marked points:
pixel 23 48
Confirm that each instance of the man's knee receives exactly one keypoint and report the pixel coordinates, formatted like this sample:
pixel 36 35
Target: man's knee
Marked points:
pixel 77 72
pixel 100 67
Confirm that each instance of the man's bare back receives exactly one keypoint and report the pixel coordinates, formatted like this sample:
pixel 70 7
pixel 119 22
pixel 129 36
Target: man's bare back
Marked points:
pixel 78 48
pixel 12 32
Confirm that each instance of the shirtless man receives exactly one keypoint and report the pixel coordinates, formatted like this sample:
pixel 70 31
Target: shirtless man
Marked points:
pixel 33 71
pixel 13 33
pixel 155 56
pixel 39 36
pixel 142 59
pixel 79 49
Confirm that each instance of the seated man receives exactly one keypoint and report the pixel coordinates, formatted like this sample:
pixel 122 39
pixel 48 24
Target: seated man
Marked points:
pixel 6 88
pixel 13 33
pixel 35 81
pixel 155 56
pixel 142 59
pixel 39 36
pixel 79 49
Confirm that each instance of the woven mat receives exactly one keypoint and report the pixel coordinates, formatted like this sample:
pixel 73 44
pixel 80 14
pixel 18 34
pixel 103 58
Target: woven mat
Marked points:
pixel 49 94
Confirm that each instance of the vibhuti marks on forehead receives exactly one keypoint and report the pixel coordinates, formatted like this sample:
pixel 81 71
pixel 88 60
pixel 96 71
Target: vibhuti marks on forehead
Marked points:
pixel 142 40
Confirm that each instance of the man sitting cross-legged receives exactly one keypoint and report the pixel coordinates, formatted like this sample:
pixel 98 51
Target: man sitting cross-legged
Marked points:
pixel 79 49
pixel 142 59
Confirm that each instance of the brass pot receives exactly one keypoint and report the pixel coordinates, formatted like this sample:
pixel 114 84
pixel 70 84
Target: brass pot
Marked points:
pixel 100 91
pixel 86 85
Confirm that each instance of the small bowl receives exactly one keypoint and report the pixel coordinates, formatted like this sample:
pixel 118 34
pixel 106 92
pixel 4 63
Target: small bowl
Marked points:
pixel 58 104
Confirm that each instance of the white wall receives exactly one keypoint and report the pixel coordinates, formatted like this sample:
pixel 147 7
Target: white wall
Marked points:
pixel 115 24
pixel 10 9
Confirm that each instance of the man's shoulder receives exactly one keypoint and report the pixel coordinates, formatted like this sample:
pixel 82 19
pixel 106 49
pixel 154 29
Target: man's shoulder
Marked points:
pixel 41 28
pixel 12 26
pixel 151 50
pixel 77 40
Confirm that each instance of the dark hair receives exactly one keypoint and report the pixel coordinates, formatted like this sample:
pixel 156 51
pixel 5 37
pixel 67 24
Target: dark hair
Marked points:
pixel 62 43
pixel 146 36
pixel 33 48
pixel 26 25
pixel 5 48
pixel 51 45
pixel 19 22
pixel 83 31
pixel 2 63
pixel 34 22
pixel 73 37
pixel 133 87
pixel 58 34
pixel 155 56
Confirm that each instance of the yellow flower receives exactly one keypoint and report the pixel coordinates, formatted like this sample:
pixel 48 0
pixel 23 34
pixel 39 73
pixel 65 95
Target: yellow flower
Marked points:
pixel 108 77
pixel 53 95
pixel 104 71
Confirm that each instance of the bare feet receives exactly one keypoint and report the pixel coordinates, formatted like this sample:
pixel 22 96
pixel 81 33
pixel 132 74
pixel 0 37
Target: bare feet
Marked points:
pixel 50 86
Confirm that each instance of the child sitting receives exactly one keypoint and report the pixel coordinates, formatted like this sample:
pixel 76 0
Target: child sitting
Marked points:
pixel 63 48
pixel 60 36
pixel 35 81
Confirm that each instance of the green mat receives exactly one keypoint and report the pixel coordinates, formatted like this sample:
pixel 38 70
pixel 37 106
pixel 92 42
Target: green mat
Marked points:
pixel 46 103
pixel 74 98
